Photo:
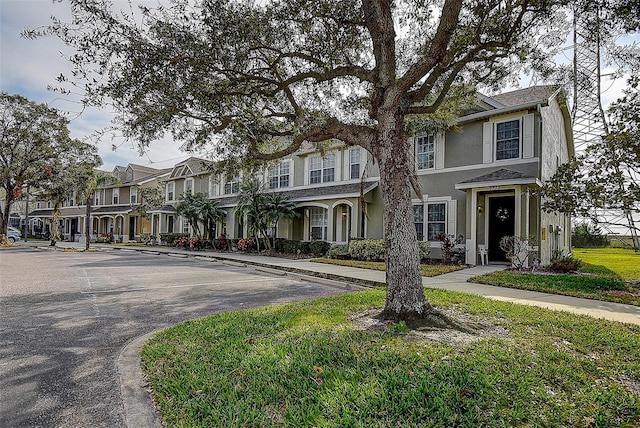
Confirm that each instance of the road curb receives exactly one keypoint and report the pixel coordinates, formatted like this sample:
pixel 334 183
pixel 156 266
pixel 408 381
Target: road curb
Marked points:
pixel 139 409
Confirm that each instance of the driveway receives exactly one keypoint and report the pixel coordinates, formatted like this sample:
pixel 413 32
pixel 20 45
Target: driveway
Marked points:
pixel 65 317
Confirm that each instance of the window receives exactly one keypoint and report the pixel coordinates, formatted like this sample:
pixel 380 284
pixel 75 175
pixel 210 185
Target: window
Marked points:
pixel 188 186
pixel 418 220
pixel 354 163
pixel 96 199
pixel 170 191
pixel 279 176
pixel 186 227
pixel 232 186
pixel 134 195
pixel 508 140
pixel 425 151
pixel 318 223
pixel 116 196
pixel 129 174
pixel 436 220
pixel 213 186
pixel 322 169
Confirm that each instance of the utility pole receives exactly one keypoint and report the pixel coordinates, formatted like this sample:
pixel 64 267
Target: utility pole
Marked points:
pixel 589 121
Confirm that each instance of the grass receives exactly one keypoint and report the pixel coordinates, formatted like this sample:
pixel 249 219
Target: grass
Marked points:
pixel 606 268
pixel 427 270
pixel 622 261
pixel 304 364
pixel 586 286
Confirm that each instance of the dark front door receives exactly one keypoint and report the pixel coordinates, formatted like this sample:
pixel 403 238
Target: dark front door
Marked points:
pixel 132 228
pixel 501 223
pixel 74 229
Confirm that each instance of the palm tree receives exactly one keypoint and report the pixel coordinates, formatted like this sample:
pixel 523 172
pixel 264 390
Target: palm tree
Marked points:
pixel 189 208
pixel 251 204
pixel 263 210
pixel 93 179
pixel 209 213
pixel 278 207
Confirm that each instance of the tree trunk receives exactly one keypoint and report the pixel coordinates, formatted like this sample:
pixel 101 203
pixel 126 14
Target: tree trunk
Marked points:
pixel 4 222
pixel 55 226
pixel 87 225
pixel 405 293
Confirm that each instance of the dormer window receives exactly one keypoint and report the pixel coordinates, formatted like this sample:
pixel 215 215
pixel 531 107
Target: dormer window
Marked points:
pixel 129 174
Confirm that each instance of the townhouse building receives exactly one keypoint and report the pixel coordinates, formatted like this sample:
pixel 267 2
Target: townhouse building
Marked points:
pixel 478 182
pixel 114 211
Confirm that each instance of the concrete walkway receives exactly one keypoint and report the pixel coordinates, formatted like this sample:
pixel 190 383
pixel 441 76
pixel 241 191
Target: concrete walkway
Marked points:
pixel 456 281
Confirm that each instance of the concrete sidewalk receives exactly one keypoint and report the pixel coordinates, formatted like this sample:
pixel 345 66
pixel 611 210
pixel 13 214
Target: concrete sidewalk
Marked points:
pixel 456 281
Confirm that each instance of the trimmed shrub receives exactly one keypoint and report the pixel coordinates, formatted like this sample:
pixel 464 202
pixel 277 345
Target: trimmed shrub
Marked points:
pixel 369 250
pixel 339 252
pixel 170 238
pixel 319 248
pixel 425 248
pixel 565 264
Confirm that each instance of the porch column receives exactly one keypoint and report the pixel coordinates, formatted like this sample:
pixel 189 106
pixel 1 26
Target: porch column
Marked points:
pixel 305 235
pixel 338 222
pixel 331 221
pixel 472 241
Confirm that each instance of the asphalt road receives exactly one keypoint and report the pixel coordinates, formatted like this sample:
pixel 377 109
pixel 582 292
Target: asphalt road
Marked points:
pixel 65 318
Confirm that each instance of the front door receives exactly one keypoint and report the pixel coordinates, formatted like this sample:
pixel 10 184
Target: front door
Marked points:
pixel 132 228
pixel 501 223
pixel 74 229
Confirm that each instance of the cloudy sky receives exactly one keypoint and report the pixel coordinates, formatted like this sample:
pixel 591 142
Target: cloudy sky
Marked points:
pixel 27 67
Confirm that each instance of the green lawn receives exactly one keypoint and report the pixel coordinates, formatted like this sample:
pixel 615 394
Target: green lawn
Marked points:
pixel 427 270
pixel 586 286
pixel 624 262
pixel 305 365
pixel 602 277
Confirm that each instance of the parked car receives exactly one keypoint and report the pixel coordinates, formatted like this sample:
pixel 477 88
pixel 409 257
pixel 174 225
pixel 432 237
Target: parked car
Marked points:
pixel 13 234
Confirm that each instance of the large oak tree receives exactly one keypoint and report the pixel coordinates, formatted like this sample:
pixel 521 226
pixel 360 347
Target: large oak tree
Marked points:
pixel 34 141
pixel 249 76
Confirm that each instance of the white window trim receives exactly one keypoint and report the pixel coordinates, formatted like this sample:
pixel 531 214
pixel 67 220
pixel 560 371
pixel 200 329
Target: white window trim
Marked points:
pixel 348 164
pixel 451 213
pixel 115 193
pixel 526 138
pixel 237 179
pixel 189 180
pixel 172 184
pixel 337 170
pixel 415 149
pixel 133 195
pixel 267 176
pixel 214 186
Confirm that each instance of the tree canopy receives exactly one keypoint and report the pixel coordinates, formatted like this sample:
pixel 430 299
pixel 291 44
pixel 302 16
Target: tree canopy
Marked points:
pixel 34 143
pixel 258 79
